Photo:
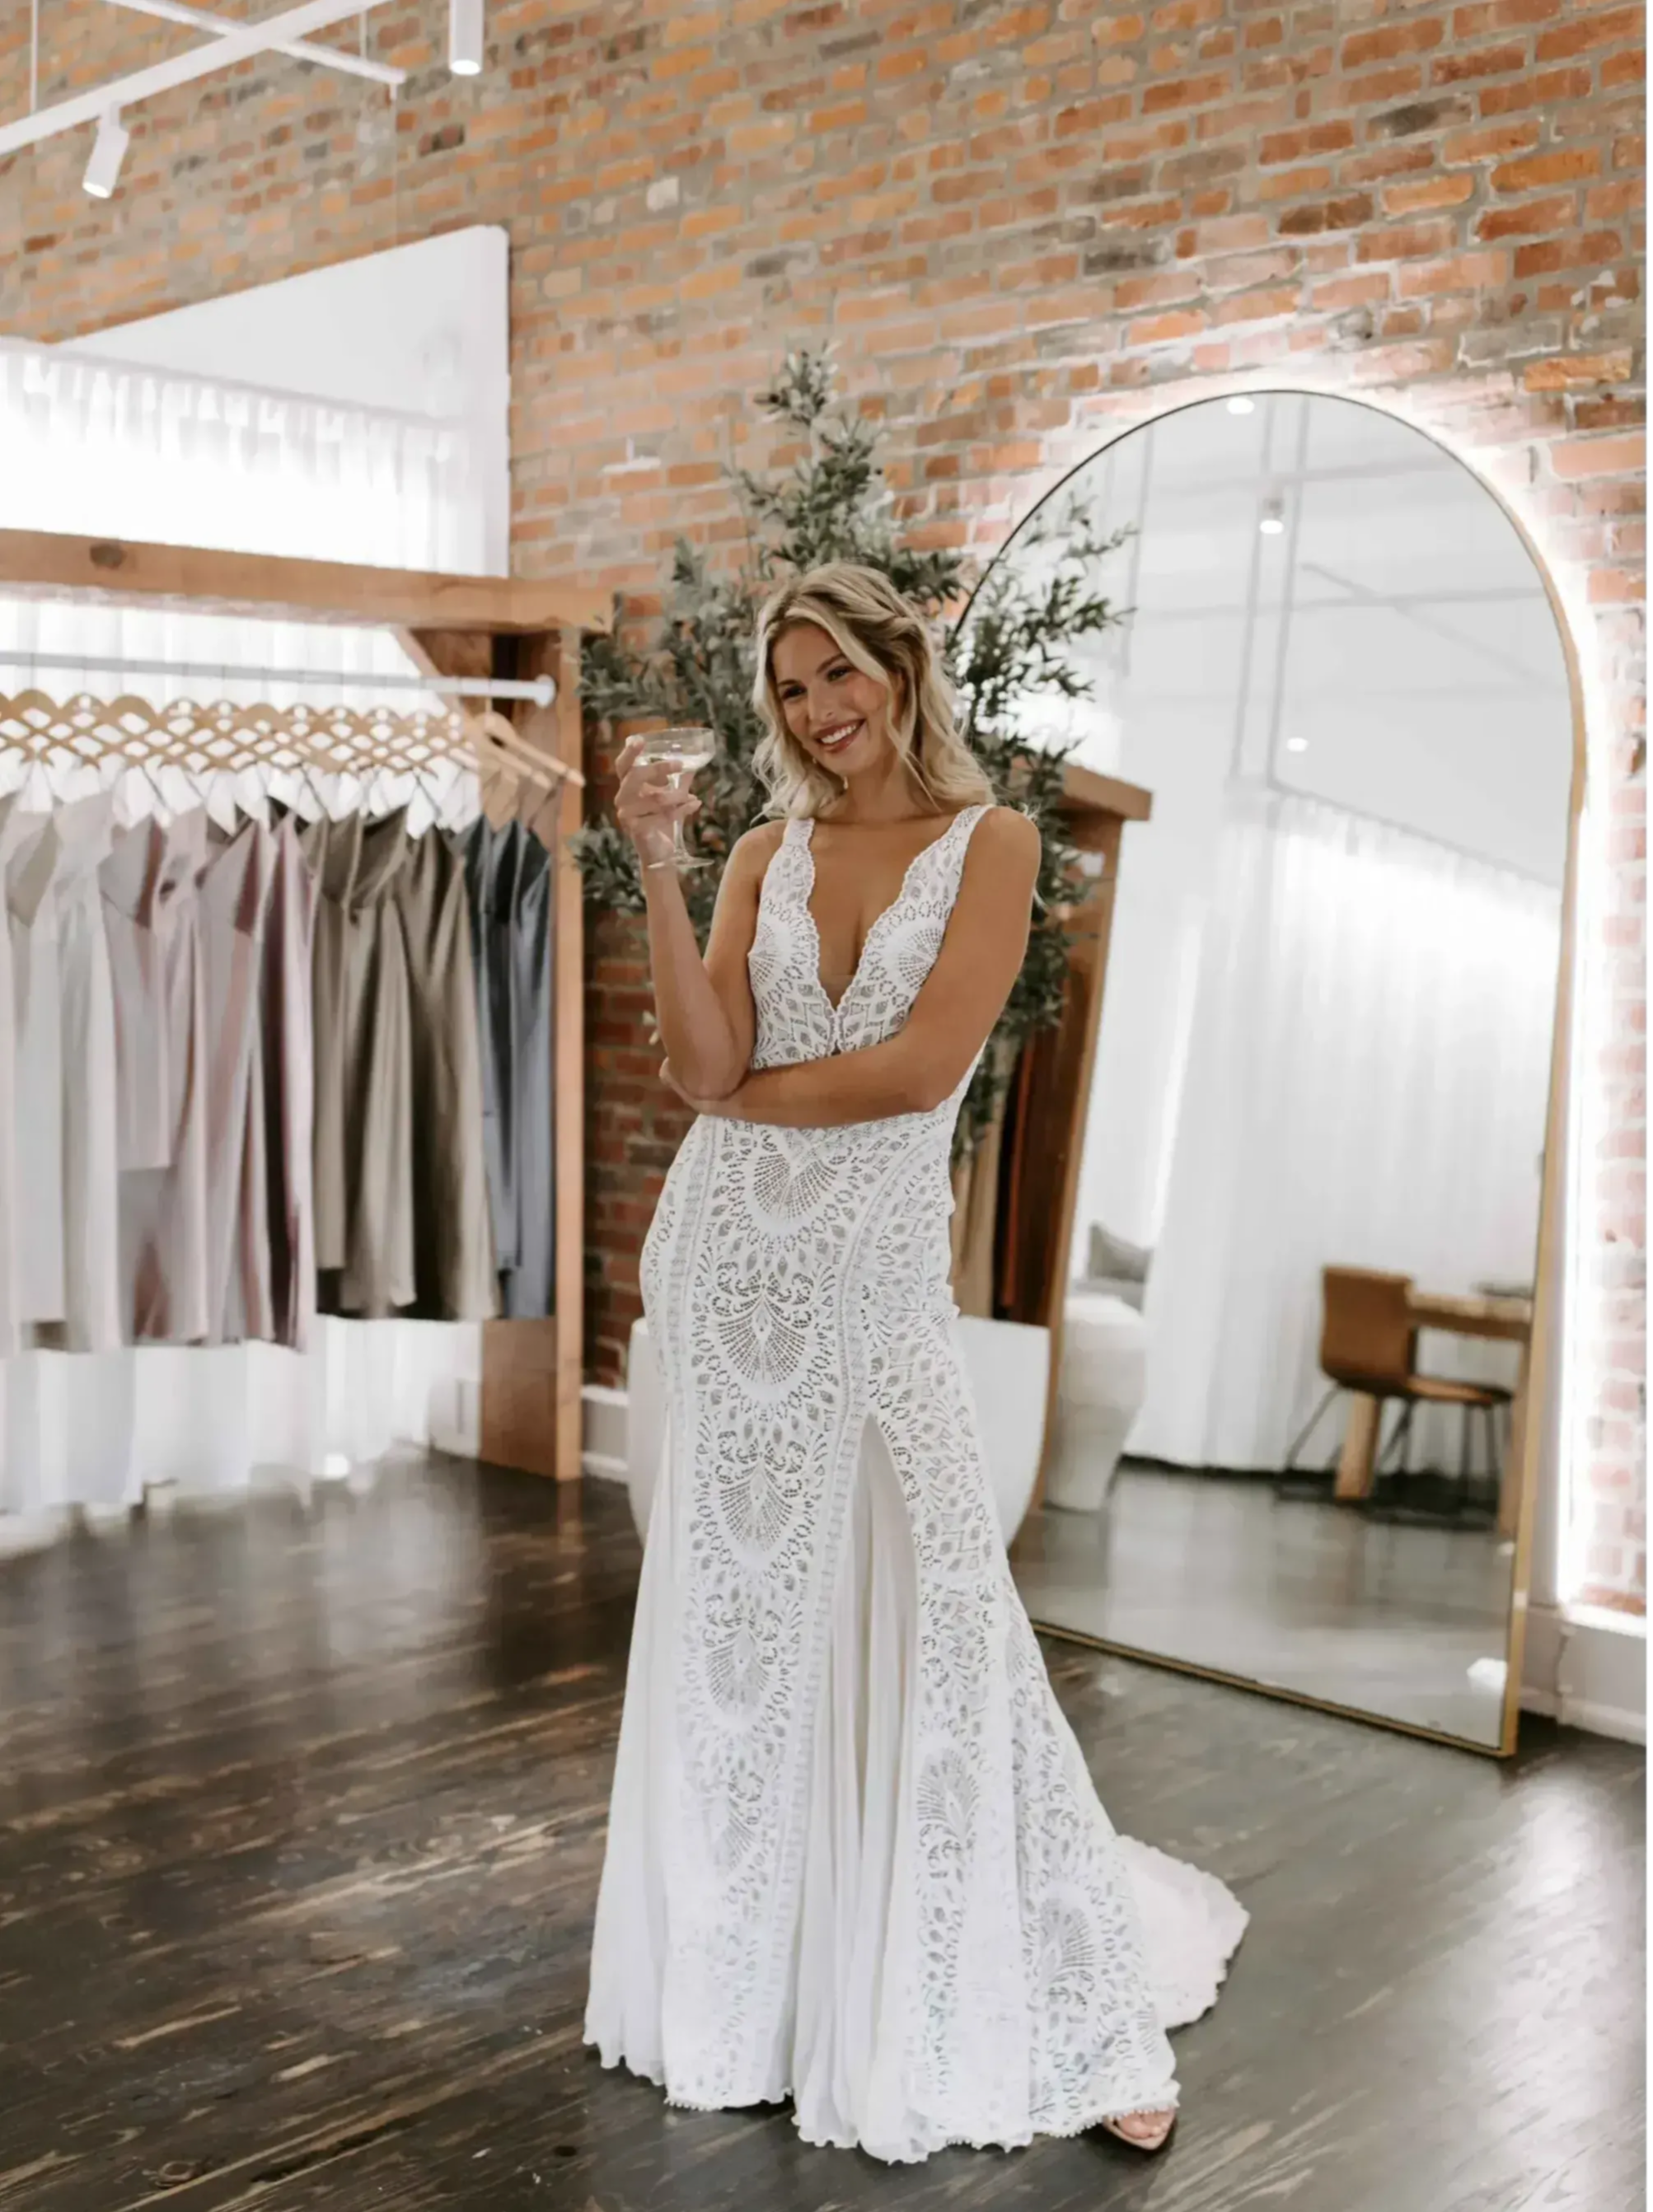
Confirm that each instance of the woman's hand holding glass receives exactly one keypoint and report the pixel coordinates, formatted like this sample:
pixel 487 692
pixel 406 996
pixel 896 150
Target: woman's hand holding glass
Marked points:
pixel 653 800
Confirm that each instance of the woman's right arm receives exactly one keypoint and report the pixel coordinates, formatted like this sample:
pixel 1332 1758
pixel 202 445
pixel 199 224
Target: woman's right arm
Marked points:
pixel 703 1004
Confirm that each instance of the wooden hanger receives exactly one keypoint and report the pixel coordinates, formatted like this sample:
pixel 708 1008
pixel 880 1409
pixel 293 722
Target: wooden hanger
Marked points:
pixel 498 745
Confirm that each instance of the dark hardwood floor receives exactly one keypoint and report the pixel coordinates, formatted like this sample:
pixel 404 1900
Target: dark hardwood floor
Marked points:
pixel 300 1818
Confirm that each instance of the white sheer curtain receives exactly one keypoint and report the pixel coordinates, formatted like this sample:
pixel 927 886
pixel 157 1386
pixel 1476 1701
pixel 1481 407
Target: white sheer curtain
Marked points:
pixel 106 450
pixel 1365 1086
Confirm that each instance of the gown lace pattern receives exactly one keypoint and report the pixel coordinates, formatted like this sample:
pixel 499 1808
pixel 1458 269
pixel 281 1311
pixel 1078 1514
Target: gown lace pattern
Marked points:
pixel 796 1283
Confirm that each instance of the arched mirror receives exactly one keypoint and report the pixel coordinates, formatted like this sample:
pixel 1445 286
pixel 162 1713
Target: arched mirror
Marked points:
pixel 1298 1334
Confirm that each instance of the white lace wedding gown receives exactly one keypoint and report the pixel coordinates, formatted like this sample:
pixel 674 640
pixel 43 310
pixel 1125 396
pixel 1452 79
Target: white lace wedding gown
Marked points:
pixel 854 1856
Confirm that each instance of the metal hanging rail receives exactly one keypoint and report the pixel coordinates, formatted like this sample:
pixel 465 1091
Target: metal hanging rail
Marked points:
pixel 298 50
pixel 223 51
pixel 541 690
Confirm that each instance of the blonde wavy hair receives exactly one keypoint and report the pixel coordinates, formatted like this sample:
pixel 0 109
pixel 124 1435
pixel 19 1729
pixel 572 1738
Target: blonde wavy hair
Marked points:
pixel 887 638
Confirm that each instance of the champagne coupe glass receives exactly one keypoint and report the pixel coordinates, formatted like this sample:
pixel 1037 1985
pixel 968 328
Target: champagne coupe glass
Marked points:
pixel 686 750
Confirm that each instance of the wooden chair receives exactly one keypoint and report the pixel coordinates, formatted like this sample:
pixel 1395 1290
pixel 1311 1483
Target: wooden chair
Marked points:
pixel 1369 1344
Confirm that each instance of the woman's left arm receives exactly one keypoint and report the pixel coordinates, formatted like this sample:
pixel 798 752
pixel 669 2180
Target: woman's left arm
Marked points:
pixel 953 1015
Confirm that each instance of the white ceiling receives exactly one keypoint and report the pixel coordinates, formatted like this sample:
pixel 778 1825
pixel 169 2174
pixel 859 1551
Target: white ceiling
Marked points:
pixel 1391 650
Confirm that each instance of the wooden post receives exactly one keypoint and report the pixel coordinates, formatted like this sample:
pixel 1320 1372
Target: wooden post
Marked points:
pixel 1059 1067
pixel 532 1370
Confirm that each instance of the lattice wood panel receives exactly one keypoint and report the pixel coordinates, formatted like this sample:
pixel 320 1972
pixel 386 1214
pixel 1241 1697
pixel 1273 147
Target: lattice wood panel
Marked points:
pixel 219 736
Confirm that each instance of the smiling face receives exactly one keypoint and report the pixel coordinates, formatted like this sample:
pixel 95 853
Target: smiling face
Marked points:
pixel 838 715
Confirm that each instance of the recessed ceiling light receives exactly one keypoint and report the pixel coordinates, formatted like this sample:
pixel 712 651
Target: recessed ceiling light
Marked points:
pixel 1296 744
pixel 108 152
pixel 1241 406
pixel 464 37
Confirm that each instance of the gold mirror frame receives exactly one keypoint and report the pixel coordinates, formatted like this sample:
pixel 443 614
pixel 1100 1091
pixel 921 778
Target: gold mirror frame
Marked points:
pixel 1547 1277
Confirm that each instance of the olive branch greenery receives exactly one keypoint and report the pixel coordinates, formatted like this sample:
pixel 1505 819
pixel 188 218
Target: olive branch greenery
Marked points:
pixel 1013 639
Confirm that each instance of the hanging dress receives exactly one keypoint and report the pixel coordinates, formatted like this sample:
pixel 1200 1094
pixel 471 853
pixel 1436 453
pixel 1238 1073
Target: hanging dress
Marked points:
pixel 282 1202
pixel 854 1854
pixel 233 903
pixel 401 1190
pixel 364 1075
pixel 151 885
pixel 11 830
pixel 508 877
pixel 453 1235
pixel 65 1259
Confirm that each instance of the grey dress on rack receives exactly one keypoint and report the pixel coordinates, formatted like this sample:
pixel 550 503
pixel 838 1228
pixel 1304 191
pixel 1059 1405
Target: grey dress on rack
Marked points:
pixel 234 899
pixel 285 1152
pixel 401 1199
pixel 510 878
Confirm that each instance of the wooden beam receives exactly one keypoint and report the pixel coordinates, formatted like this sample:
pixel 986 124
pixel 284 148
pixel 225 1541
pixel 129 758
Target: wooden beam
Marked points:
pixel 1085 792
pixel 47 564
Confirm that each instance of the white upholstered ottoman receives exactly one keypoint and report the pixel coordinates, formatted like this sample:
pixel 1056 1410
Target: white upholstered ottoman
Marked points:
pixel 1104 1375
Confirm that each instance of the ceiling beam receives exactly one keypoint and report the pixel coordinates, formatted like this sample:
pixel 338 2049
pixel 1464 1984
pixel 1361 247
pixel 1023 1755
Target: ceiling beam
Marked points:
pixel 47 564
pixel 297 50
pixel 220 52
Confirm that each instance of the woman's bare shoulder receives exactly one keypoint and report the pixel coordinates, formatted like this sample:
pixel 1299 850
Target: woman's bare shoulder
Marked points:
pixel 751 853
pixel 1009 833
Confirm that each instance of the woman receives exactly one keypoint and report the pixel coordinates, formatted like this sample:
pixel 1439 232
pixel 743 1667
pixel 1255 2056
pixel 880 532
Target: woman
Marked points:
pixel 855 1856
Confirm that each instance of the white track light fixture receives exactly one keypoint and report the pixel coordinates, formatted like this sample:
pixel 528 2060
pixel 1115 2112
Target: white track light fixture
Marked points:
pixel 464 37
pixel 108 152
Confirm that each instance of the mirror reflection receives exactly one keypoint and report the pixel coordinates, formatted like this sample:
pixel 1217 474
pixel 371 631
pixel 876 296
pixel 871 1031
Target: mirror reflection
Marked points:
pixel 1298 1326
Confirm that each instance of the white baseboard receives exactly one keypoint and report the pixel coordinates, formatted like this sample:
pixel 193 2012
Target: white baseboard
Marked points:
pixel 1587 1670
pixel 604 1440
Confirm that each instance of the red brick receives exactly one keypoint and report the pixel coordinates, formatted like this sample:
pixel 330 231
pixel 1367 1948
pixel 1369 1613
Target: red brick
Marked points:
pixel 1598 456
pixel 1546 93
pixel 1427 193
pixel 1402 242
pixel 1297 145
pixel 1256 307
pixel 1389 40
pixel 1607 28
pixel 1565 165
pixel 1160 330
pixel 1573 250
pixel 1482 62
pixel 1187 91
pixel 1608 203
pixel 1293 184
pixel 1462 272
pixel 1348 212
pixel 1532 219
pixel 1359 289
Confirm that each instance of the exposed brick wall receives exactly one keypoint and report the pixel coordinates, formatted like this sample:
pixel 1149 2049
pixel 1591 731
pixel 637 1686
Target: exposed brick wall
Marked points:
pixel 1026 227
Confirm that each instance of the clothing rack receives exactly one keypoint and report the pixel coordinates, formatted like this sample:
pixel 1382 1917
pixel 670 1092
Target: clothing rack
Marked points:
pixel 542 690
pixel 479 638
pixel 223 736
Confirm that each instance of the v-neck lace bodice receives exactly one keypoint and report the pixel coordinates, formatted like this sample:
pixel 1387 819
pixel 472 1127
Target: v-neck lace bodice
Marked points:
pixel 797 1018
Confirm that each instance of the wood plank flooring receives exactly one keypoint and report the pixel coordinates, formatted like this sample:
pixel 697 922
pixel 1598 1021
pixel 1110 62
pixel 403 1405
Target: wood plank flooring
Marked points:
pixel 301 1812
